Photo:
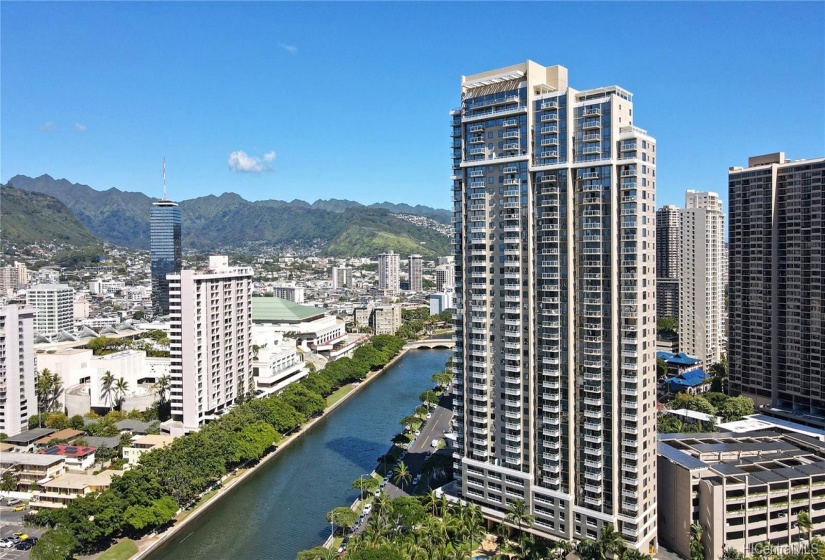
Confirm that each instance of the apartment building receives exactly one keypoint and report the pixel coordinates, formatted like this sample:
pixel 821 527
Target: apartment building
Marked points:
pixel 416 273
pixel 341 277
pixel 668 240
pixel 701 293
pixel 210 341
pixel 776 283
pixel 386 319
pixel 388 273
pixel 555 384
pixel 18 365
pixel 12 278
pixel 745 490
pixel 166 249
pixel 55 308
pixel 289 292
pixel 445 277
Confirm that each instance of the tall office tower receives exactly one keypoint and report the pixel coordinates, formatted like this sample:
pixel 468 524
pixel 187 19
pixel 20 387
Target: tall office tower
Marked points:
pixel 445 276
pixel 701 294
pixel 554 194
pixel 388 275
pixel 210 341
pixel 777 284
pixel 18 400
pixel 667 262
pixel 54 306
pixel 416 269
pixel 341 277
pixel 167 257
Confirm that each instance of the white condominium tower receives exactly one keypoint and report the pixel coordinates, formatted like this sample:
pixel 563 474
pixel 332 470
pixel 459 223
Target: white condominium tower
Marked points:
pixel 341 277
pixel 701 293
pixel 210 341
pixel 388 273
pixel 55 308
pixel 18 399
pixel 667 261
pixel 555 384
pixel 416 273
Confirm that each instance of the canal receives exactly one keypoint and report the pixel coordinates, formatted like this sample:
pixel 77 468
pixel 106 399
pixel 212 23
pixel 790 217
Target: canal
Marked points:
pixel 280 509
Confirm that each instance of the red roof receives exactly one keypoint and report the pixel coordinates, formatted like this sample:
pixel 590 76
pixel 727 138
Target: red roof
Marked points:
pixel 69 450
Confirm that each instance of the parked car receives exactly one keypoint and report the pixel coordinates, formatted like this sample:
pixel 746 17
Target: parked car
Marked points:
pixel 14 501
pixel 20 507
pixel 383 483
pixel 417 479
pixel 9 542
pixel 24 545
pixel 367 509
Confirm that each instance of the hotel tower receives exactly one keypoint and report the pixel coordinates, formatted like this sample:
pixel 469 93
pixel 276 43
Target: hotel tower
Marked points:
pixel 555 381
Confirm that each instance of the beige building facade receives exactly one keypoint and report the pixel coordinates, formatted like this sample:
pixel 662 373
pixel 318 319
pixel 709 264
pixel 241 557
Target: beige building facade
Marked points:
pixel 18 368
pixel 554 213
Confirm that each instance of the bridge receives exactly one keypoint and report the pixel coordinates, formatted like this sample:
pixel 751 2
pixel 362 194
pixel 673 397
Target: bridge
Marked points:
pixel 431 343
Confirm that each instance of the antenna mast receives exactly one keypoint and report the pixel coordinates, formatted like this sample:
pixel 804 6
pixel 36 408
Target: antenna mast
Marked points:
pixel 164 177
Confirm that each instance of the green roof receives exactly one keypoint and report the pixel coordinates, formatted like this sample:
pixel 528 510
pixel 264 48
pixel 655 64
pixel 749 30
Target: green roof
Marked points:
pixel 277 310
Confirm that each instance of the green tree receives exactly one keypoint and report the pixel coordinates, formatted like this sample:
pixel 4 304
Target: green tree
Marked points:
pixel 76 422
pixel 365 484
pixel 55 544
pixel 107 388
pixel 48 387
pixel 342 518
pixel 736 408
pixel 429 396
pixel 7 482
pixel 162 384
pixel 804 523
pixel 317 553
pixel 305 401
pixel 519 514
pixel 121 388
pixel 610 542
pixel 442 379
pixel 402 474
pixel 661 368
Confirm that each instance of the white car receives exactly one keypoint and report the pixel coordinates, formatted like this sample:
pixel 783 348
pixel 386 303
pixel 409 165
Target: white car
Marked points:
pixel 416 479
pixel 367 509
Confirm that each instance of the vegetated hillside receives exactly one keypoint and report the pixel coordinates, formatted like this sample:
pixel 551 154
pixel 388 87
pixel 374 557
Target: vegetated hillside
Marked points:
pixel 371 231
pixel 231 221
pixel 30 217
pixel 337 205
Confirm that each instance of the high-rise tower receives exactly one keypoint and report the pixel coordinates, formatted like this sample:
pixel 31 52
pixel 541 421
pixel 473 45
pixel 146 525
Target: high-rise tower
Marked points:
pixel 554 201
pixel 667 262
pixel 167 257
pixel 388 273
pixel 416 269
pixel 777 284
pixel 701 294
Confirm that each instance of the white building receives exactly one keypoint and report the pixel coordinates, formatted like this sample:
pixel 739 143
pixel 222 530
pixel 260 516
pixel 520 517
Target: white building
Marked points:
pixel 388 273
pixel 211 341
pixel 440 301
pixel 386 319
pixel 341 277
pixel 289 292
pixel 55 308
pixel 416 273
pixel 312 327
pixel 80 308
pixel 445 276
pixel 275 360
pixel 701 293
pixel 12 278
pixel 555 400
pixel 18 400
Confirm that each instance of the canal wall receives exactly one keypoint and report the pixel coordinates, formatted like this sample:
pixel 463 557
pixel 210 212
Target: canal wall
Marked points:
pixel 149 544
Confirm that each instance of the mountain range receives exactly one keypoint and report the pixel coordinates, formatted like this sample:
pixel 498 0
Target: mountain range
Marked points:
pixel 333 227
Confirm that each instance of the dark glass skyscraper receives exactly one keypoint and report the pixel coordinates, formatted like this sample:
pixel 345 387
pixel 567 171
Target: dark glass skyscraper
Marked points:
pixel 166 250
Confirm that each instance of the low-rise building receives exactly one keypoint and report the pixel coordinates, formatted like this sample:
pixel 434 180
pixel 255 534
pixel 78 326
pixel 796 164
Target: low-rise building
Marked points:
pixel 25 441
pixel 276 361
pixel 312 327
pixel 29 469
pixel 143 444
pixel 58 492
pixel 77 457
pixel 745 490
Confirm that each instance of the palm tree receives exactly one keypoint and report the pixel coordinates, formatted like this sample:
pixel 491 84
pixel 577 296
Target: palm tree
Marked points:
pixel 162 385
pixel 697 551
pixel 803 521
pixel 121 386
pixel 107 383
pixel 519 514
pixel 48 386
pixel 431 501
pixel 474 525
pixel 610 542
pixel 633 554
pixel 402 474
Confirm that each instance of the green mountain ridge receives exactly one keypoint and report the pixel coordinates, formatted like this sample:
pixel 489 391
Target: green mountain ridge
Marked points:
pixel 339 227
pixel 31 217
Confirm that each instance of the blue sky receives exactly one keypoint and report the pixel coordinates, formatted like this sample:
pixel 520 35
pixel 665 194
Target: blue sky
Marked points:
pixel 351 100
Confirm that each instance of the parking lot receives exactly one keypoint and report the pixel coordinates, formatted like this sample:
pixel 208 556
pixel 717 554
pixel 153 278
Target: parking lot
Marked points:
pixel 12 522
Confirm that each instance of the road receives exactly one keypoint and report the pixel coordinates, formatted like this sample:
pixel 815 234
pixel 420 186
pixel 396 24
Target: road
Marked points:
pixel 12 522
pixel 420 447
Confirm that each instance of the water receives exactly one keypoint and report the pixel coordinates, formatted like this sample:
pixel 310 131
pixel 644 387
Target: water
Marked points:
pixel 280 509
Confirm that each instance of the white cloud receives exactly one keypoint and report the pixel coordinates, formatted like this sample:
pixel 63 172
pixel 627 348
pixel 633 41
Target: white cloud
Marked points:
pixel 80 127
pixel 48 127
pixel 241 162
pixel 291 49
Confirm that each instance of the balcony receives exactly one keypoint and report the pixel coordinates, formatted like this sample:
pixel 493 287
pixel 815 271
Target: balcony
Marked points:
pixel 549 117
pixel 549 142
pixel 508 123
pixel 549 104
pixel 511 134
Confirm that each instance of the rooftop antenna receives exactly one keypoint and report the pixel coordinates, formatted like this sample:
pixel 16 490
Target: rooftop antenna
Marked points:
pixel 164 177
